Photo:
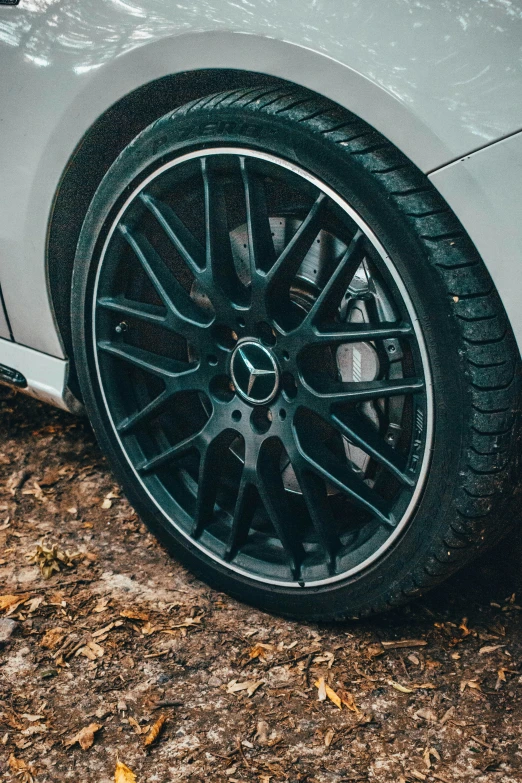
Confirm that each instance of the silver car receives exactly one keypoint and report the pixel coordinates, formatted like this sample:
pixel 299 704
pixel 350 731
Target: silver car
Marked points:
pixel 274 250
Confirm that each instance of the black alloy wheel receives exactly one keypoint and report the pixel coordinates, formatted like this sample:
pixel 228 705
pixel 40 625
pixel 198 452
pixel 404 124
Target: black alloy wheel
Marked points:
pixel 254 363
pixel 222 374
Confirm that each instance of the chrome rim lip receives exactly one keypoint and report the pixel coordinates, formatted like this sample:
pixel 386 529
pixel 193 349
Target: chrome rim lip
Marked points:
pixel 354 215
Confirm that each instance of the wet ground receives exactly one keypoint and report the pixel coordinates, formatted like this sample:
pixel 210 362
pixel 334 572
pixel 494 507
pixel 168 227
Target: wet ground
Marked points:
pixel 120 655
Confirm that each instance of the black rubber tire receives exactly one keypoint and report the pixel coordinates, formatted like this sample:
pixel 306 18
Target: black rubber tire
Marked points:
pixel 474 360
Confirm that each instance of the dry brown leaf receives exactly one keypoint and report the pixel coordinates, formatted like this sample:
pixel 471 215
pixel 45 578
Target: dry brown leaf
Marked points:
pixel 399 687
pixel 12 601
pixel 53 638
pixel 250 686
pixel 327 657
pixel 187 622
pixel 490 648
pixel 262 730
pixel 259 650
pixel 91 651
pixel 473 684
pixel 321 689
pixel 24 771
pixel 122 774
pixel 501 677
pixel 402 643
pixel 133 614
pixel 333 696
pixel 85 737
pixel 328 737
pixel 348 700
pixel 135 725
pixel 426 714
pixel 155 730
pixel 374 650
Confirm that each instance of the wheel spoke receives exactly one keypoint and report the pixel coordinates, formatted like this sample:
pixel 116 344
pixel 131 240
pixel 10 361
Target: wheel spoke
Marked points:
pixel 359 430
pixel 280 277
pixel 183 312
pixel 152 409
pixel 173 453
pixel 210 470
pixel 260 242
pixel 183 240
pixel 220 267
pixel 349 391
pixel 315 496
pixel 243 514
pixel 275 500
pixel 335 288
pixel 161 366
pixel 321 460
pixel 151 314
pixel 356 333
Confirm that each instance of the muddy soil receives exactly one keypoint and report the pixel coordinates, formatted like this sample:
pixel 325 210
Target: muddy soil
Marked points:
pixel 120 654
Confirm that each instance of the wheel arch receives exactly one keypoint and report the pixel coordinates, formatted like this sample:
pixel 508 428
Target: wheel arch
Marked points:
pixel 94 155
pixel 131 91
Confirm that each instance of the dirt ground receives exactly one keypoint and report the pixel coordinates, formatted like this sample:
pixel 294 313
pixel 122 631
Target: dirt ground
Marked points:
pixel 123 656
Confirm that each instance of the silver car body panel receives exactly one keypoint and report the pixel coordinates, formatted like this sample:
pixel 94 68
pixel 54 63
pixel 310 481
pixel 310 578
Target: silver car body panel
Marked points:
pixel 4 325
pixel 440 80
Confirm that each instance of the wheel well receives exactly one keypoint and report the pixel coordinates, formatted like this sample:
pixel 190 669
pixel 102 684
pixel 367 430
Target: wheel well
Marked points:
pixel 94 155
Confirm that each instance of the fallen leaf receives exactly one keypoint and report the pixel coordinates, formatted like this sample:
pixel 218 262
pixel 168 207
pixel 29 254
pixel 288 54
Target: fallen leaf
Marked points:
pixel 91 651
pixel 328 737
pixel 135 725
pixel 259 650
pixel 333 696
pixel 321 689
pixel 501 677
pixel 348 701
pixel 426 714
pixel 399 687
pixel 12 601
pixel 262 730
pixel 133 614
pixel 491 648
pixel 53 638
pixel 155 730
pixel 122 774
pixel 24 771
pixel 250 686
pixel 85 737
pixel 474 684
pixel 327 657
pixel 402 643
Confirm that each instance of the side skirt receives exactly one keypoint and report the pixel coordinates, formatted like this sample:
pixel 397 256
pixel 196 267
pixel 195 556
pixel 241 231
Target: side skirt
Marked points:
pixel 45 376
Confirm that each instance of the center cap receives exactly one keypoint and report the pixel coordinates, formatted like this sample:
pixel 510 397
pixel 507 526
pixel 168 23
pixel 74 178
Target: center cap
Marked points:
pixel 254 372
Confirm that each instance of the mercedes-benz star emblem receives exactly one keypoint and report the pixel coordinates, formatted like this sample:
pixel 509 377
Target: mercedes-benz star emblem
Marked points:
pixel 254 372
